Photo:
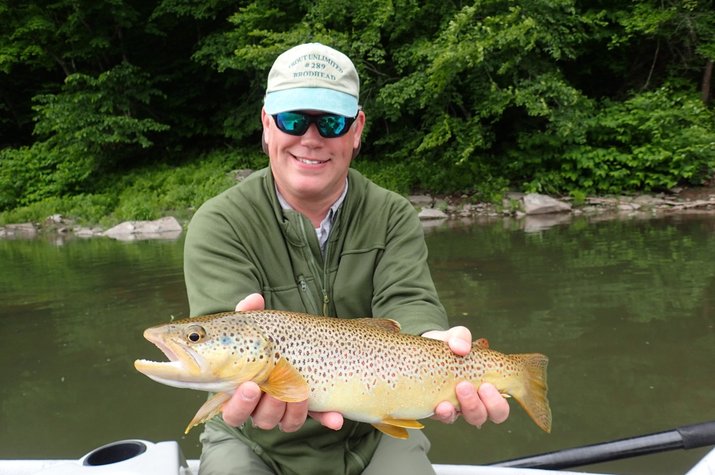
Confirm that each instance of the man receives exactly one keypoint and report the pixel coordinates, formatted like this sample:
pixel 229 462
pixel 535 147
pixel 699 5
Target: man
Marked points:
pixel 310 234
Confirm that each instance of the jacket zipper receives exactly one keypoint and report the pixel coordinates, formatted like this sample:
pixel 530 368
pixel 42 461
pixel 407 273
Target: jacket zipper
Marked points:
pixel 320 277
pixel 308 294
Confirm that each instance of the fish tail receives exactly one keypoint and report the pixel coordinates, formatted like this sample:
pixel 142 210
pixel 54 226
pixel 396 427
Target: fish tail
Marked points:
pixel 529 388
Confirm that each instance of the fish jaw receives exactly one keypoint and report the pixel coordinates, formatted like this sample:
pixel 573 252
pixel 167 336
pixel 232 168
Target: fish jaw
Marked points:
pixel 185 369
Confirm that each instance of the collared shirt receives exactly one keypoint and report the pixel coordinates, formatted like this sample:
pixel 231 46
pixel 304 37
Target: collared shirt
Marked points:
pixel 322 231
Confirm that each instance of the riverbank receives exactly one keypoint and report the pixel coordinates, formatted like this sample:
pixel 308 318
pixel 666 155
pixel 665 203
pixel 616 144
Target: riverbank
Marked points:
pixel 538 212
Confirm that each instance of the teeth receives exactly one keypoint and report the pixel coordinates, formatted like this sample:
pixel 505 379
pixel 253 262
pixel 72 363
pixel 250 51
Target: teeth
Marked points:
pixel 310 162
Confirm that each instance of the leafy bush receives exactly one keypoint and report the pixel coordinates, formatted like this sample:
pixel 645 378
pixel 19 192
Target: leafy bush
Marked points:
pixel 652 141
pixel 89 209
pixel 91 124
pixel 146 193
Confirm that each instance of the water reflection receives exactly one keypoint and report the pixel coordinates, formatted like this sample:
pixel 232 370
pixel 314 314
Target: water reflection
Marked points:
pixel 624 309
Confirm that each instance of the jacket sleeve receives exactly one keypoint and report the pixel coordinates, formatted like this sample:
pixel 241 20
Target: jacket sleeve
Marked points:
pixel 217 271
pixel 403 286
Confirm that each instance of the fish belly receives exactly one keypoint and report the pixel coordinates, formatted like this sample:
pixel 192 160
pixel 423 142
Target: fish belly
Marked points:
pixel 376 401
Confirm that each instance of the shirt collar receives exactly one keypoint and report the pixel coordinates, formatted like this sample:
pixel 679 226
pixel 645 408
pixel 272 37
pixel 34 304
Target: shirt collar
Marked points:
pixel 333 208
pixel 322 231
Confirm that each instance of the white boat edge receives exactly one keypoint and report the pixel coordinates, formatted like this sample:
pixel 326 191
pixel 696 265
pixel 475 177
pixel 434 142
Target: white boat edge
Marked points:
pixel 168 460
pixel 46 467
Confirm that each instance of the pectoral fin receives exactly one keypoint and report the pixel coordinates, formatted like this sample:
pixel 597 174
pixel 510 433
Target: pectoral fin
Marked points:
pixel 396 427
pixel 286 383
pixel 209 409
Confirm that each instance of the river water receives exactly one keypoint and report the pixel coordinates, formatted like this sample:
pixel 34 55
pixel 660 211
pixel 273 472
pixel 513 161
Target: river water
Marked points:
pixel 625 310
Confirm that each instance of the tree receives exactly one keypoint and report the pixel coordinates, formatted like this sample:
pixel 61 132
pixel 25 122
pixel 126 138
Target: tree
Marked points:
pixel 461 96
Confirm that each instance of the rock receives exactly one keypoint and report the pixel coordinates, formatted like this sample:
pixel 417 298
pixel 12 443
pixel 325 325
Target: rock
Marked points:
pixel 162 228
pixel 18 231
pixel 83 232
pixel 432 213
pixel 421 201
pixel 535 203
pixel 648 200
pixel 625 207
pixel 241 174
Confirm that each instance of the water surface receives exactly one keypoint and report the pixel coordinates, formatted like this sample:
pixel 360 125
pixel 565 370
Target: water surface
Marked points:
pixel 625 309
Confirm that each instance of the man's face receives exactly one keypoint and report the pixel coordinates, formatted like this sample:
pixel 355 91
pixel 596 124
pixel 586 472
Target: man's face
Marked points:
pixel 310 168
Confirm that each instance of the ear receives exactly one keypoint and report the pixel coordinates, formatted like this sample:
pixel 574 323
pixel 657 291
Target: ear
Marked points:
pixel 359 125
pixel 265 120
pixel 264 144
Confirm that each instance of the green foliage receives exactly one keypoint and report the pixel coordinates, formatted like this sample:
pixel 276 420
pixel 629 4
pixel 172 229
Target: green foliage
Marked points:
pixel 393 176
pixel 146 193
pixel 460 97
pixel 91 123
pixel 653 141
pixel 490 59
pixel 86 208
pixel 159 191
pixel 62 33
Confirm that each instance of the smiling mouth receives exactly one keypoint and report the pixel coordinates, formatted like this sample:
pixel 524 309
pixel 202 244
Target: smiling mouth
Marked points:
pixel 309 161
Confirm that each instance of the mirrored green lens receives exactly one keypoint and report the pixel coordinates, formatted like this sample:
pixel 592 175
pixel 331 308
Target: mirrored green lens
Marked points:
pixel 332 125
pixel 329 125
pixel 292 123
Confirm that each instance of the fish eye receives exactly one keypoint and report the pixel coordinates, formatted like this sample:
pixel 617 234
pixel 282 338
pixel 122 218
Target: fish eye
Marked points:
pixel 195 333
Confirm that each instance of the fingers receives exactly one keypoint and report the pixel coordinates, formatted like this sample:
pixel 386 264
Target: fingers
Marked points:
pixel 242 404
pixel 476 405
pixel 497 406
pixel 458 338
pixel 267 412
pixel 251 302
pixel 331 420
pixel 445 412
pixel 470 404
pixel 473 409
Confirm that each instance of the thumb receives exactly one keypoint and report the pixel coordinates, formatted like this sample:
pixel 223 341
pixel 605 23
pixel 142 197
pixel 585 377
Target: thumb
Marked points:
pixel 251 302
pixel 459 340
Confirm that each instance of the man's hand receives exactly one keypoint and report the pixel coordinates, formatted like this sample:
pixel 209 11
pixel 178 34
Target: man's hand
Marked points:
pixel 477 405
pixel 266 411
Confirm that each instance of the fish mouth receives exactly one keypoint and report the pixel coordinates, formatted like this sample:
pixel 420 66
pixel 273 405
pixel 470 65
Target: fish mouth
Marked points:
pixel 184 364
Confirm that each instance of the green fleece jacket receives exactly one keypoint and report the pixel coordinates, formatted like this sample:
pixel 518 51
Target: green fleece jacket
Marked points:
pixel 375 264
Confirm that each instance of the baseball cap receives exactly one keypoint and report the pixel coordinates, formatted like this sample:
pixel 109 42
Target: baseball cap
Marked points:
pixel 313 76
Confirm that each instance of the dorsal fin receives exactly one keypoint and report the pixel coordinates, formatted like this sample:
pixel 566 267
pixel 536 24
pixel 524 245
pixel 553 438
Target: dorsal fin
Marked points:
pixel 481 343
pixel 382 323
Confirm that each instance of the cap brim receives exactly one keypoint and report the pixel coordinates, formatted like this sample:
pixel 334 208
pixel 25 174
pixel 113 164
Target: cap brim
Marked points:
pixel 311 98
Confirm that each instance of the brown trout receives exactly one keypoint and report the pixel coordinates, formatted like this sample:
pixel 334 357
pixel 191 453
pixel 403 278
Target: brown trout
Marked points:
pixel 363 368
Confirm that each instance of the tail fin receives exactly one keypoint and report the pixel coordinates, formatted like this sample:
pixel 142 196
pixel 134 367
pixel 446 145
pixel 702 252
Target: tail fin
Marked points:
pixel 530 390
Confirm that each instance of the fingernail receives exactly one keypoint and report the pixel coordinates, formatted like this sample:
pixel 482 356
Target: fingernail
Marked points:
pixel 463 390
pixel 247 394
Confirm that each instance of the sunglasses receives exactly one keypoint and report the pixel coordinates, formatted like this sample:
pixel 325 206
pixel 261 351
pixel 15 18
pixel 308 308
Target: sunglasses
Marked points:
pixel 329 125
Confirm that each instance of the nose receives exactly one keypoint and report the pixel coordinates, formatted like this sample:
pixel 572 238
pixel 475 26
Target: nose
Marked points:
pixel 311 135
